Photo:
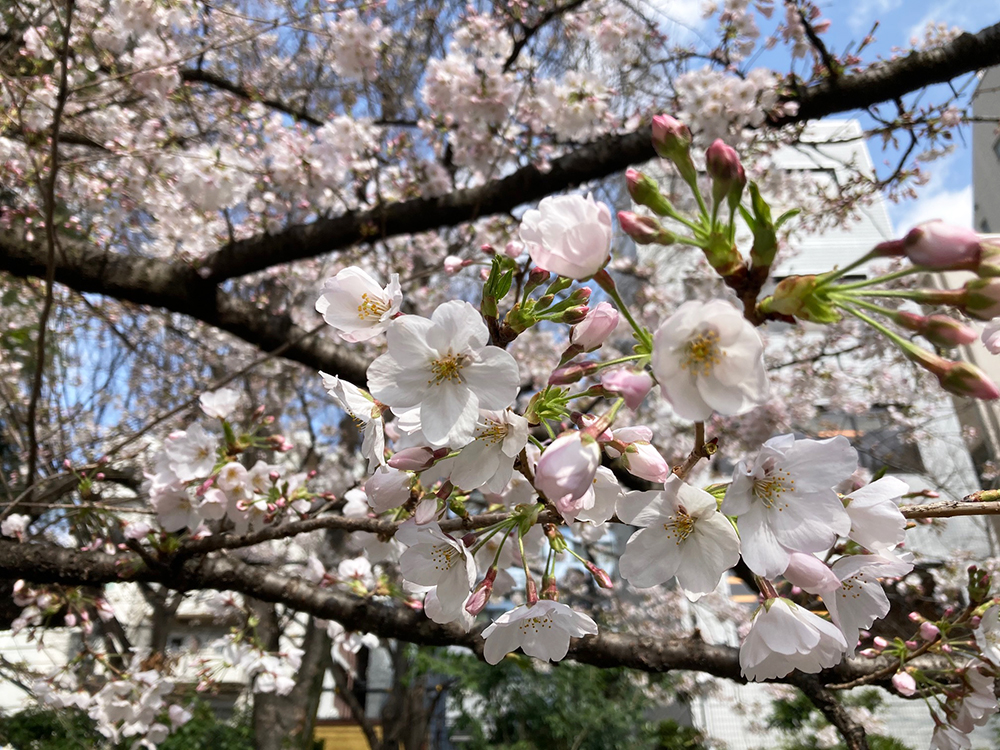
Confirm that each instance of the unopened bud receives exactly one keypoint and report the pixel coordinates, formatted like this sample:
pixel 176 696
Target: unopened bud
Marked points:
pixel 481 594
pixel 942 247
pixel 601 576
pixel 880 643
pixel 938 329
pixel 929 631
pixel 672 140
pixel 964 379
pixel 536 277
pixel 632 385
pixel 645 192
pixel 417 458
pixel 591 332
pixel 573 373
pixel 645 230
pixel 723 165
pixel 904 683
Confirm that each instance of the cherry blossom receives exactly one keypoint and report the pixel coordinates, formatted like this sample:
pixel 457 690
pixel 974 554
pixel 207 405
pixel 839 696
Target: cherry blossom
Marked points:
pixel 440 561
pixel 541 630
pixel 365 412
pixel 785 502
pixel 568 235
pixel 683 535
pixel 566 469
pixel 220 403
pixel 356 306
pixel 444 366
pixel 707 357
pixel 783 636
pixel 489 458
pixel 860 599
pixel 876 521
pixel 988 634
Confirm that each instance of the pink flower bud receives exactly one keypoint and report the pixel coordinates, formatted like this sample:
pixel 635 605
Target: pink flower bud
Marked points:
pixel 964 379
pixel 938 329
pixel 632 385
pixel 567 467
pixel 644 461
pixel 417 458
pixel 811 574
pixel 70 620
pixel 645 230
pixel 868 653
pixel 453 264
pixel 942 247
pixel 915 617
pixel 911 644
pixel 594 330
pixel 671 138
pixel 601 576
pixel 574 316
pixel 573 373
pixel 723 165
pixel 481 594
pixel 904 683
pixel 929 631
pixel 513 250
pixel 880 642
pixel 274 476
pixel 100 476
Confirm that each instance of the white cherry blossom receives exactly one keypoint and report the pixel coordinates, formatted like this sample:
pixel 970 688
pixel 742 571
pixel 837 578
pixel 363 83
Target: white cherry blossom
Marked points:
pixel 444 366
pixel 220 403
pixel 860 600
pixel 438 560
pixel 785 502
pixel 876 521
pixel 356 306
pixel 365 412
pixel 708 358
pixel 988 634
pixel 541 630
pixel 783 637
pixel 191 453
pixel 489 459
pixel 683 535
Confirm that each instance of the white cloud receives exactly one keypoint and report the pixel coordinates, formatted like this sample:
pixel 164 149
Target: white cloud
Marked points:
pixel 671 14
pixel 951 206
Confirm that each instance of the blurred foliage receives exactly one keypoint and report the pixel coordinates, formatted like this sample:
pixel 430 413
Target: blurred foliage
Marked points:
pixel 71 729
pixel 801 722
pixel 521 704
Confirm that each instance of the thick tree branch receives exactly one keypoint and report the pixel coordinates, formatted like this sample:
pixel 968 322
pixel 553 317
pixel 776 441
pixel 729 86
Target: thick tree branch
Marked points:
pixel 605 156
pixel 44 563
pixel 177 288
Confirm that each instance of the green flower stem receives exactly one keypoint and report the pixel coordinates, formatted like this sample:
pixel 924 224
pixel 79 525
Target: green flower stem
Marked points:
pixel 620 360
pixel 902 343
pixel 606 283
pixel 836 273
pixel 855 300
pixel 693 184
pixel 495 530
pixel 880 279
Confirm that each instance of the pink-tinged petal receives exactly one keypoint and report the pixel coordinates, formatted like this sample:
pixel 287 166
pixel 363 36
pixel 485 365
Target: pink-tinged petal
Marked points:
pixel 494 378
pixel 762 552
pixel 650 558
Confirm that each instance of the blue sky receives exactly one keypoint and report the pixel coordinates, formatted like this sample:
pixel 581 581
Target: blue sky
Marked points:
pixel 948 193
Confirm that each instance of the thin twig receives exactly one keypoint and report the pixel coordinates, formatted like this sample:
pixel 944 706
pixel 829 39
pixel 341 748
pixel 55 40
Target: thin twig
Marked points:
pixel 49 197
